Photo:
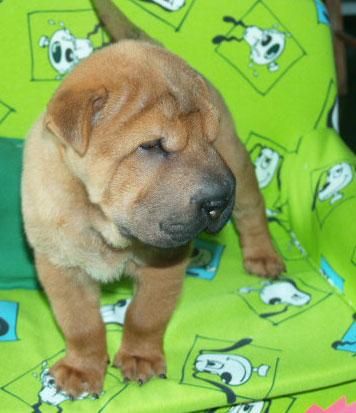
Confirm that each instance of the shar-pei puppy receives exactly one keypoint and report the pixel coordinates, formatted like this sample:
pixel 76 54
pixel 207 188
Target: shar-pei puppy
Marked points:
pixel 135 155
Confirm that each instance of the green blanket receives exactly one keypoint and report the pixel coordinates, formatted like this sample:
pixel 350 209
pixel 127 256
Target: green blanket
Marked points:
pixel 236 343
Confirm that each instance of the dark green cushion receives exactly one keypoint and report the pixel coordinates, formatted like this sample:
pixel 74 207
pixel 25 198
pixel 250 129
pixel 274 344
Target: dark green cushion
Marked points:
pixel 16 261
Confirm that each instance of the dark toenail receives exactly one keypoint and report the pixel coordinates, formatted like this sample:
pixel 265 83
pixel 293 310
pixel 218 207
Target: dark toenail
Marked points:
pixel 163 376
pixel 96 395
pixel 140 382
pixel 126 379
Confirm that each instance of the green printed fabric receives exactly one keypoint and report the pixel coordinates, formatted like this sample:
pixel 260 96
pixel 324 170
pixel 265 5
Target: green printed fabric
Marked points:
pixel 236 342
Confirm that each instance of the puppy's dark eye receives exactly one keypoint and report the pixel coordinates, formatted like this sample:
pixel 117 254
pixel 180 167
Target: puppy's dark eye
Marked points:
pixel 156 144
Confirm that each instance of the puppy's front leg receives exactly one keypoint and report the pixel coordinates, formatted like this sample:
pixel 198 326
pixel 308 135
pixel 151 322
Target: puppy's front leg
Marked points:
pixel 260 256
pixel 75 300
pixel 141 355
pixel 249 214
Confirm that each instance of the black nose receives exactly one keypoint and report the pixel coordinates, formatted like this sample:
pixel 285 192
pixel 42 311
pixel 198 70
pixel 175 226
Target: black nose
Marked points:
pixel 213 208
pixel 215 202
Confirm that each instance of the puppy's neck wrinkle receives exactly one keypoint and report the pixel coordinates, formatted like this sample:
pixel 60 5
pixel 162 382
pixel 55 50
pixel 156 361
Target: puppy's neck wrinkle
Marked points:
pixel 106 229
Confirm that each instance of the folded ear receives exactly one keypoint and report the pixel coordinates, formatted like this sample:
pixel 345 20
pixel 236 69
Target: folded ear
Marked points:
pixel 72 114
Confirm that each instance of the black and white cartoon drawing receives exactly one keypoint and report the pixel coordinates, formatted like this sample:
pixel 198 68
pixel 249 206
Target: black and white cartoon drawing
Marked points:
pixel 60 39
pixel 232 369
pixel 283 292
pixel 279 300
pixel 258 45
pixel 65 50
pixel 36 391
pixel 115 313
pixel 173 13
pixel 266 44
pixel 235 368
pixel 170 5
pixel 337 178
pixel 332 186
pixel 50 394
pixel 266 166
pixel 269 160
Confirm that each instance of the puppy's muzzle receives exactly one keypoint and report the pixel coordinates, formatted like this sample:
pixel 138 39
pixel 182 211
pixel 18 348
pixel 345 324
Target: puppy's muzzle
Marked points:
pixel 212 205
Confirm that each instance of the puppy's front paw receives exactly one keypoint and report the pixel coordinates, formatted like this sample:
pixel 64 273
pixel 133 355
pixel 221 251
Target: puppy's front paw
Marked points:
pixel 140 368
pixel 264 263
pixel 75 381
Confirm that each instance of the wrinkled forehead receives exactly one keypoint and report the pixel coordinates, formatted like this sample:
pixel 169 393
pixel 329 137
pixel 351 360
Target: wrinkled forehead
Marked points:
pixel 158 110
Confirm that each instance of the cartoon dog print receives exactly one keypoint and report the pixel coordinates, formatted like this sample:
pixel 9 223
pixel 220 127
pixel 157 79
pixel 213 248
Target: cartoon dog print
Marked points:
pixel 169 5
pixel 65 50
pixel 232 369
pixel 115 313
pixel 266 166
pixel 280 292
pixel 266 45
pixel 338 177
pixel 50 394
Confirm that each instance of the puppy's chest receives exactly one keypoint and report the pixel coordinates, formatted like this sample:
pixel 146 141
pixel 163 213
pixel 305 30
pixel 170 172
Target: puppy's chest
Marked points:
pixel 106 271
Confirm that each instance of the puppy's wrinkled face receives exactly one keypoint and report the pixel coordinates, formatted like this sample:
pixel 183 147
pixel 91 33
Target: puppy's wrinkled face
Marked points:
pixel 138 127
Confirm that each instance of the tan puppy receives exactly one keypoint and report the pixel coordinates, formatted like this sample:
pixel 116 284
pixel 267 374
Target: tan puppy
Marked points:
pixel 134 157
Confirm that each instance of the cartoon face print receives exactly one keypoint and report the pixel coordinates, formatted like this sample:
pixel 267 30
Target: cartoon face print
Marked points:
pixel 258 46
pixel 281 292
pixel 266 46
pixel 266 166
pixel 169 5
pixel 50 394
pixel 284 292
pixel 65 50
pixel 232 369
pixel 338 177
pixel 115 313
pixel 281 300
